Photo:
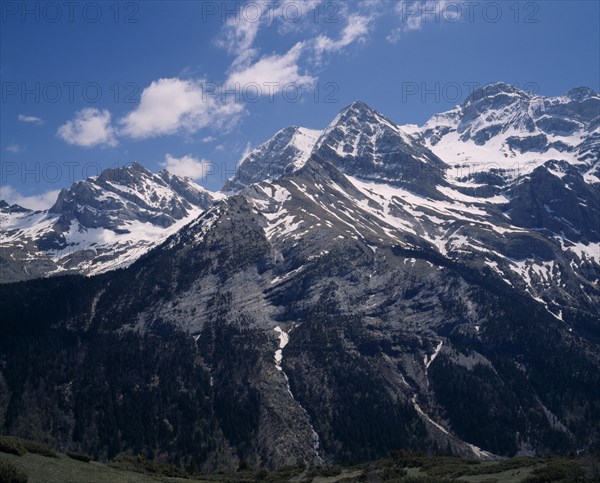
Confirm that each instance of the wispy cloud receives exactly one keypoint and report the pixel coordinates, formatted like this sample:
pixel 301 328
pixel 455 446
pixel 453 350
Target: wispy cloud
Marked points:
pixel 238 34
pixel 41 201
pixel 240 31
pixel 173 105
pixel 188 165
pixel 356 30
pixel 30 119
pixel 413 15
pixel 15 148
pixel 90 127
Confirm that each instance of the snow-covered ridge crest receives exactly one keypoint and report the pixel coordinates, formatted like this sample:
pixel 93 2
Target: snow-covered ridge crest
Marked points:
pixel 101 223
pixel 357 118
pixel 503 128
pixel 287 151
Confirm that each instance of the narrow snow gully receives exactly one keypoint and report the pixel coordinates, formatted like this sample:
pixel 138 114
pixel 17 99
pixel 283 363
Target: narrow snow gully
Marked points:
pixel 284 338
pixel 477 451
pixel 428 360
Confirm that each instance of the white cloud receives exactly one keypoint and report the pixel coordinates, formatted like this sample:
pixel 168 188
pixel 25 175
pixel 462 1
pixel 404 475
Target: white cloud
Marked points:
pixel 294 16
pixel 172 105
pixel 30 119
pixel 14 148
pixel 208 139
pixel 356 30
pixel 245 153
pixel 272 73
pixel 187 166
pixel 91 127
pixel 413 15
pixel 42 201
pixel 239 31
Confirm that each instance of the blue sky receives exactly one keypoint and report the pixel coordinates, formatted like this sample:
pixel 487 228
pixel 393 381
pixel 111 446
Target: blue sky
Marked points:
pixel 193 85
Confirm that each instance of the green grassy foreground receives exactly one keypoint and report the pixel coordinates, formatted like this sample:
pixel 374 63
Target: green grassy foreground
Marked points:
pixel 24 461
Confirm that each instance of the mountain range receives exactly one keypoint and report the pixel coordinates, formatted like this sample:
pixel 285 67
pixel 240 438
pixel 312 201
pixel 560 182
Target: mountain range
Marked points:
pixel 351 291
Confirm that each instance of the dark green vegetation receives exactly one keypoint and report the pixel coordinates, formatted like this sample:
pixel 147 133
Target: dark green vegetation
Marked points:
pixel 79 456
pixel 10 473
pixel 19 446
pixel 113 365
pixel 12 446
pixel 401 467
pixel 366 422
pixel 139 464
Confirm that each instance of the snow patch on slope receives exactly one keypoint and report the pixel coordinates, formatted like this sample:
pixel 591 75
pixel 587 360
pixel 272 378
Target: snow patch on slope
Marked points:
pixel 284 338
pixel 304 141
pixel 428 360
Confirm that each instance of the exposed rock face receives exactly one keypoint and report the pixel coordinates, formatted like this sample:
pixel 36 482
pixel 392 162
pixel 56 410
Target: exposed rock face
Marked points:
pixel 556 198
pixel 6 208
pixel 336 308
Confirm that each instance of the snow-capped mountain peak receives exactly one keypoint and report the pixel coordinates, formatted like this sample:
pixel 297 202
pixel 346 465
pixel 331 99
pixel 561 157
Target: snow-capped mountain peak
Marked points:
pixel 359 116
pixel 512 131
pixel 100 223
pixel 362 142
pixel 285 152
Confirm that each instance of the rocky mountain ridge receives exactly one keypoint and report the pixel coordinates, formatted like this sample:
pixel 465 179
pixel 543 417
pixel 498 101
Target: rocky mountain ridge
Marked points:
pixel 333 307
